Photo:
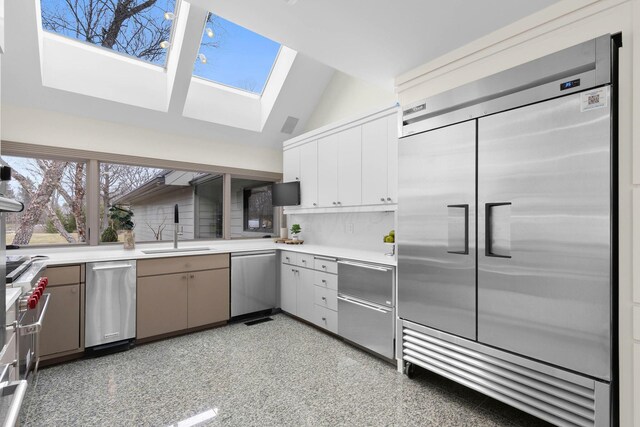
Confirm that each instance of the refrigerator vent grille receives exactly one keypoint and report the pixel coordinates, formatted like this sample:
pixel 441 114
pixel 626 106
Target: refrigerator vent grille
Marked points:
pixel 553 399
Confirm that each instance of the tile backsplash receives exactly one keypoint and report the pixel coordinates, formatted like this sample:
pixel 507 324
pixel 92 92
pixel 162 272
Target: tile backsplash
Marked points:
pixel 361 230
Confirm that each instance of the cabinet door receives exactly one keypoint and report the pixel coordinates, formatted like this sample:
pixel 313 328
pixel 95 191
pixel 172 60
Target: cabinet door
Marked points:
pixel 291 165
pixel 288 279
pixel 328 171
pixel 61 328
pixel 208 297
pixel 350 167
pixel 392 159
pixel 375 161
pixel 309 174
pixel 161 304
pixel 305 296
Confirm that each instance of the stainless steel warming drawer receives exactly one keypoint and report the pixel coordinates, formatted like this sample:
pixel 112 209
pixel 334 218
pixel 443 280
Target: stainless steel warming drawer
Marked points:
pixel 366 306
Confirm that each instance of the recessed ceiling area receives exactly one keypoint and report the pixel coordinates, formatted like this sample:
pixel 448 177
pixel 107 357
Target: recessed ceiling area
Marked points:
pixel 372 40
pixel 375 40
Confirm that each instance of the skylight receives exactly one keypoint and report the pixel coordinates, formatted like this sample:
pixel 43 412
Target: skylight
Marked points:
pixel 234 56
pixel 132 27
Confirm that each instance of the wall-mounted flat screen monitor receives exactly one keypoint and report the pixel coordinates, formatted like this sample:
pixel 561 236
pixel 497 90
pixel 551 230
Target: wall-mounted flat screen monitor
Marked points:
pixel 286 194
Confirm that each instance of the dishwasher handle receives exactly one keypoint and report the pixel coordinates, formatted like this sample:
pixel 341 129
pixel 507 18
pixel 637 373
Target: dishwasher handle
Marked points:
pixel 258 255
pixel 369 266
pixel 112 267
pixel 364 304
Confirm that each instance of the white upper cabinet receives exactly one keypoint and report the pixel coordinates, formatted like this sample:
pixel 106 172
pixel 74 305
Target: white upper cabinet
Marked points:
pixel 350 167
pixel 328 171
pixel 353 166
pixel 392 159
pixel 375 168
pixel 291 165
pixel 380 161
pixel 309 174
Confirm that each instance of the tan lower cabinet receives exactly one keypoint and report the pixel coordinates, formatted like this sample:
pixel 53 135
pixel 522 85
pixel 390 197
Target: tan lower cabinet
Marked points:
pixel 179 293
pixel 208 297
pixel 161 304
pixel 62 331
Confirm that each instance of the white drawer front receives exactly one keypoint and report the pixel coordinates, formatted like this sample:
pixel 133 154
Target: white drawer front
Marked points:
pixel 326 297
pixel 326 280
pixel 326 265
pixel 325 318
pixel 305 260
pixel 289 258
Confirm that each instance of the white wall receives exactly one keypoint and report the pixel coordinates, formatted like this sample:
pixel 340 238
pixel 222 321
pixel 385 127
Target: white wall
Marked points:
pixel 346 96
pixel 53 129
pixel 363 230
pixel 566 23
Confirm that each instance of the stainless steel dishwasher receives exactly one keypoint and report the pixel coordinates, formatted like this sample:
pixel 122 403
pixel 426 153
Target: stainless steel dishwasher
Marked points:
pixel 111 303
pixel 253 282
pixel 366 303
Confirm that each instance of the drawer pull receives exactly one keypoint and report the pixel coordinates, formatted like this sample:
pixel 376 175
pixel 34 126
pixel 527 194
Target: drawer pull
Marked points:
pixel 324 281
pixel 324 319
pixel 324 298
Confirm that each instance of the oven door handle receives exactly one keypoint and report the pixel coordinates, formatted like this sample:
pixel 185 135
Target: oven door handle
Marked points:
pixel 35 328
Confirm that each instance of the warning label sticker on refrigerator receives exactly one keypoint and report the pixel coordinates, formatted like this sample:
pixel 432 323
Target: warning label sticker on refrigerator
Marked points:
pixel 592 99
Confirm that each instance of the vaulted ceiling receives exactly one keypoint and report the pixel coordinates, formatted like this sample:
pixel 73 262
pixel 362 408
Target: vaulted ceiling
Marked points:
pixel 374 40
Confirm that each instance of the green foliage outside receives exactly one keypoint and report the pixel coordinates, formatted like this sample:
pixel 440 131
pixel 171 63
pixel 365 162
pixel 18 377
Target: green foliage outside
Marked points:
pixel 68 222
pixel 109 235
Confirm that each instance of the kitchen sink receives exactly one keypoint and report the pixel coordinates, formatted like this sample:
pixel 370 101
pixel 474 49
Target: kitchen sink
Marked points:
pixel 176 250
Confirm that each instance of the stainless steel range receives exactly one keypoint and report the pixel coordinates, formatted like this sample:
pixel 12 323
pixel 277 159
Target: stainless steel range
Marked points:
pixel 31 279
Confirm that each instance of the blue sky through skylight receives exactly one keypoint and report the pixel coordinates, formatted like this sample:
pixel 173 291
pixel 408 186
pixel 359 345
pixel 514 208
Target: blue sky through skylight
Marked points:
pixel 143 25
pixel 235 56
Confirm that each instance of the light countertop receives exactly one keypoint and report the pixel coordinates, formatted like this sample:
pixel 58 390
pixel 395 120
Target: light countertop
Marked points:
pixel 115 252
pixel 12 295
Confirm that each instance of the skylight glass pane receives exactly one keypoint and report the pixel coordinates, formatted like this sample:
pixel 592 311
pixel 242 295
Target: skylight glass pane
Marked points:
pixel 234 56
pixel 132 27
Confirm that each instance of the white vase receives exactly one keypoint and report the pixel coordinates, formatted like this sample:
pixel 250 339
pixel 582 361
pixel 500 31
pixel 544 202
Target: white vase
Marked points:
pixel 129 239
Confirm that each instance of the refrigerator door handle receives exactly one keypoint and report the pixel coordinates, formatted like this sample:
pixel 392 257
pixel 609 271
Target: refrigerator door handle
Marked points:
pixel 458 229
pixel 497 229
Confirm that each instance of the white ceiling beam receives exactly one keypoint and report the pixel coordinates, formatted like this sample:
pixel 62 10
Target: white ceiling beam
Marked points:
pixel 184 49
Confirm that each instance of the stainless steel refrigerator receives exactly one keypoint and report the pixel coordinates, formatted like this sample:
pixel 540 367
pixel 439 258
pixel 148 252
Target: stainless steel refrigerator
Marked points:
pixel 505 214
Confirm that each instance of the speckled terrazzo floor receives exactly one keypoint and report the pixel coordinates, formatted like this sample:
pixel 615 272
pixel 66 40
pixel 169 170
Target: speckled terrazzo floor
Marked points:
pixel 271 374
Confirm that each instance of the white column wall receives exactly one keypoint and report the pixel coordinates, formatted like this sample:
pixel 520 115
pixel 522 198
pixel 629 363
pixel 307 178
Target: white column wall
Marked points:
pixel 564 24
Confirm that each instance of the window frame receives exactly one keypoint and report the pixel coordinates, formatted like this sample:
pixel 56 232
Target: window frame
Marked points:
pixel 92 193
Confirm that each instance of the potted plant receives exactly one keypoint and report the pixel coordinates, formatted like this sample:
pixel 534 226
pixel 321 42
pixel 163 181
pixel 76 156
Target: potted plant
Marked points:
pixel 295 230
pixel 121 218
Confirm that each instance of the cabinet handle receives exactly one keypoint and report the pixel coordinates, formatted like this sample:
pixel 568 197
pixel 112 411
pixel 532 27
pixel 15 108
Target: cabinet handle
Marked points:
pixel 382 199
pixel 324 281
pixel 388 199
pixel 339 203
pixel 304 260
pixel 315 204
pixel 191 276
pixel 334 203
pixel 184 277
pixel 324 266
pixel 324 319
pixel 324 298
pixel 297 179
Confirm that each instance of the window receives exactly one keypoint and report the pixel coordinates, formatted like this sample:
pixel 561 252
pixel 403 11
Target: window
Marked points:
pixel 123 186
pixel 258 211
pixel 234 56
pixel 134 27
pixel 53 192
pixel 60 208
